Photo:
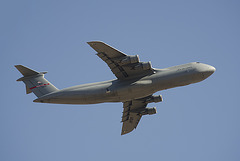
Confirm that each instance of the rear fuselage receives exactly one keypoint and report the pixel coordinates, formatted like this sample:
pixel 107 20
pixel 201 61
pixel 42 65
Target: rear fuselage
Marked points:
pixel 129 89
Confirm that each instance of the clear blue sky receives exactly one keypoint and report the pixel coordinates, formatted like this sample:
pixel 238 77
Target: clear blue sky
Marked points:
pixel 197 122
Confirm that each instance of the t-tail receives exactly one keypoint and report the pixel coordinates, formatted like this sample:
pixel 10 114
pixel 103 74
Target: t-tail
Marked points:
pixel 35 81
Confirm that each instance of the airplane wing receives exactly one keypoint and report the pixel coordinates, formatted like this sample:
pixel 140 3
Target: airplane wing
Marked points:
pixel 122 65
pixel 132 112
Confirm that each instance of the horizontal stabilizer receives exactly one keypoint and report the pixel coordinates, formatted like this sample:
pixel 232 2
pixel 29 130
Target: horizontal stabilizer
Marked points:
pixel 26 71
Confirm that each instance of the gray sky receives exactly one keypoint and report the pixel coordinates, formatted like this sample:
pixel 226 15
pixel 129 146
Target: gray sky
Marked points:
pixel 197 122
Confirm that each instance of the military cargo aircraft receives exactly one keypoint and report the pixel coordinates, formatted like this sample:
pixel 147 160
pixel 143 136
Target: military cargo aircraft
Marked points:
pixel 135 84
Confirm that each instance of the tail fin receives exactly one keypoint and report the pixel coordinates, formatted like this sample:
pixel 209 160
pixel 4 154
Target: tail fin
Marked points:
pixel 35 81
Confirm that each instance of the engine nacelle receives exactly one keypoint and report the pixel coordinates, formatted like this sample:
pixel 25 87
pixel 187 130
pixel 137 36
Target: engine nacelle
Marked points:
pixel 155 99
pixel 149 111
pixel 130 59
pixel 144 66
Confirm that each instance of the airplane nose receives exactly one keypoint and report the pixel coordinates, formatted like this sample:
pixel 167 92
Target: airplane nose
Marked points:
pixel 208 70
pixel 212 69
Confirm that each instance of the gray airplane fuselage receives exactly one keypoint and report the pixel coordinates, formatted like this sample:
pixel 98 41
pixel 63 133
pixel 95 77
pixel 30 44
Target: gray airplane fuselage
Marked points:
pixel 121 91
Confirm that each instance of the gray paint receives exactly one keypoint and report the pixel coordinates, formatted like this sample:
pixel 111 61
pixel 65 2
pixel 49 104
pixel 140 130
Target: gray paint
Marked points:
pixel 131 88
pixel 121 91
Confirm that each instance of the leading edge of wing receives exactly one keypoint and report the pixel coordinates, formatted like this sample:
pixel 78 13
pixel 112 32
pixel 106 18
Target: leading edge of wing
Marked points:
pixel 100 46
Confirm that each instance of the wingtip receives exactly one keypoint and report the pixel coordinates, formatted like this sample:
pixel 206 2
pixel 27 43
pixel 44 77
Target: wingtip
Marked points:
pixel 125 132
pixel 17 65
pixel 94 42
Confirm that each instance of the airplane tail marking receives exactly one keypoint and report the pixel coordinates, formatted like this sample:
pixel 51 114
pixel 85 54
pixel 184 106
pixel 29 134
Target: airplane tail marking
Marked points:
pixel 40 85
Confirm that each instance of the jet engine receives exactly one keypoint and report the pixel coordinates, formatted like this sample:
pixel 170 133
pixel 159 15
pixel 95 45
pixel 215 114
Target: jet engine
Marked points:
pixel 144 66
pixel 149 111
pixel 154 99
pixel 130 60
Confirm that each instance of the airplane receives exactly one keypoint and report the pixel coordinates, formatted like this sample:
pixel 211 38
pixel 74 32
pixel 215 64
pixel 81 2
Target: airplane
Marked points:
pixel 135 84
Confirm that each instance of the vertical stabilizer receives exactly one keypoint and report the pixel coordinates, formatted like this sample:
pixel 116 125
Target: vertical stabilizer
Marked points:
pixel 35 81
